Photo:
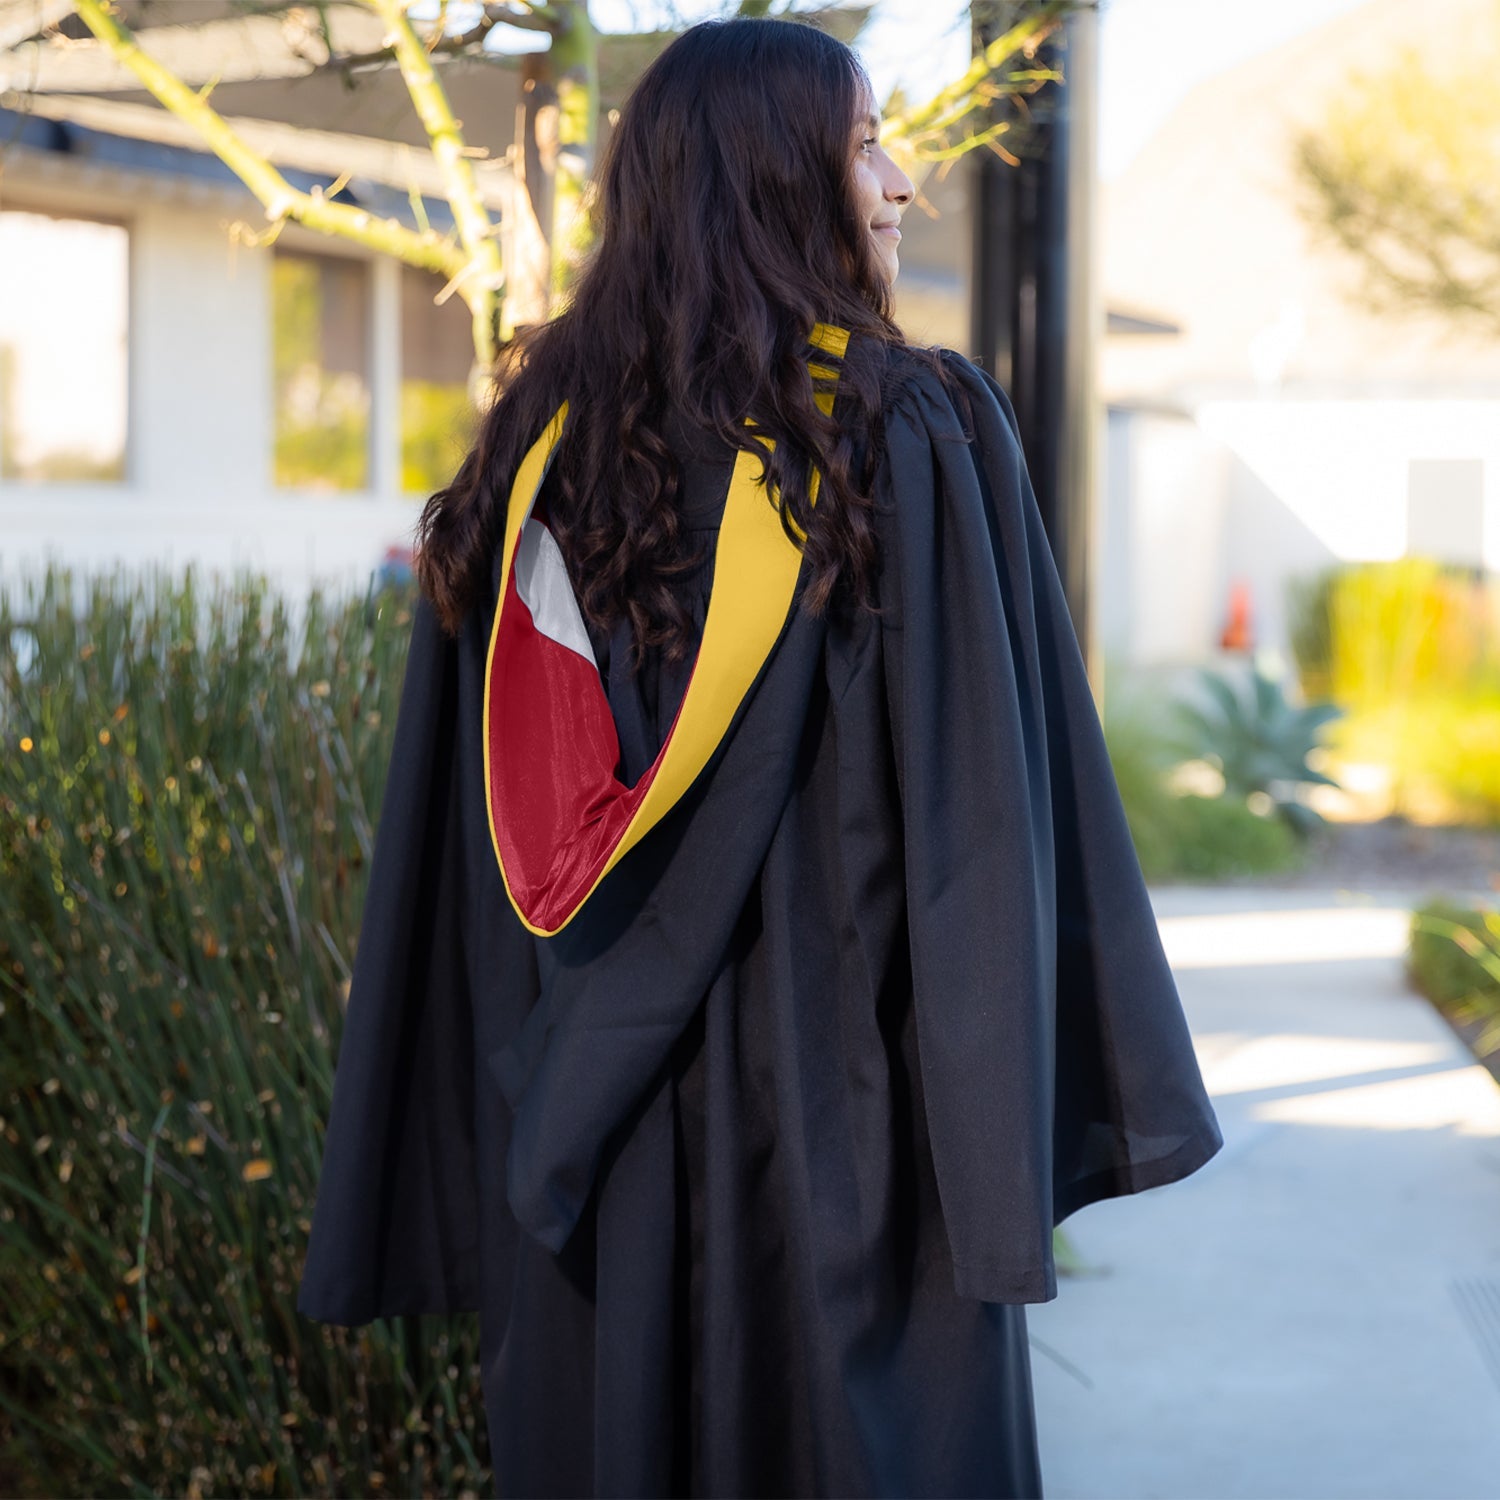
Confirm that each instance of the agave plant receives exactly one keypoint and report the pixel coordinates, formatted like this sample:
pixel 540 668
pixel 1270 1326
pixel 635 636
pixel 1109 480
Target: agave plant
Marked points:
pixel 1259 741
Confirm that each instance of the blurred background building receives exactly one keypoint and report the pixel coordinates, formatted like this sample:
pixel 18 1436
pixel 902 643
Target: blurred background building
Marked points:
pixel 169 390
pixel 1264 419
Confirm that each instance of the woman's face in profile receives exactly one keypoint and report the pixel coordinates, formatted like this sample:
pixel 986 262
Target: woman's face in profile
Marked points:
pixel 881 189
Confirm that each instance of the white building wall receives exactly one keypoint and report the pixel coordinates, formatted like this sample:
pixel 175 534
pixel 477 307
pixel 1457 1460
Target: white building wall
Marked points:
pixel 1270 489
pixel 1112 557
pixel 200 432
pixel 200 367
pixel 1175 476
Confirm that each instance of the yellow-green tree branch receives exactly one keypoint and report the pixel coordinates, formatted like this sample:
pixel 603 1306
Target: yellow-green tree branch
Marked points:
pixel 949 153
pixel 575 61
pixel 430 251
pixel 978 84
pixel 484 282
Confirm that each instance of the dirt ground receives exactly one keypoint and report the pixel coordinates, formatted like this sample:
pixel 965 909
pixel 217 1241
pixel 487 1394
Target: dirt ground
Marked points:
pixel 1392 853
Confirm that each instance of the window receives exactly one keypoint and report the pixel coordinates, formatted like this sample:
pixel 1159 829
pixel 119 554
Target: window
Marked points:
pixel 321 367
pixel 64 298
pixel 438 425
pixel 1445 510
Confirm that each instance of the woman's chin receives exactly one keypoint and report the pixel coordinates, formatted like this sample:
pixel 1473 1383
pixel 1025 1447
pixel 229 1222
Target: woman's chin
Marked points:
pixel 884 263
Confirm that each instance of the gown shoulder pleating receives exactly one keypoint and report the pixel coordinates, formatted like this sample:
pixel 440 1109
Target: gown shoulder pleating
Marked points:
pixel 750 1169
pixel 1051 1016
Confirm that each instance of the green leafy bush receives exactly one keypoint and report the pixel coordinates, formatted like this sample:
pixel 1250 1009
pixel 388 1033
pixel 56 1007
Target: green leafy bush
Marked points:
pixel 1221 836
pixel 189 783
pixel 1184 837
pixel 1141 758
pixel 1411 650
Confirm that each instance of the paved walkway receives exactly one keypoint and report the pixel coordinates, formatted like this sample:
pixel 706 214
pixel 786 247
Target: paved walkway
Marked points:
pixel 1316 1312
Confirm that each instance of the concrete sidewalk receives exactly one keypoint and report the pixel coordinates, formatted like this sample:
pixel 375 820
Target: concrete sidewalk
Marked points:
pixel 1316 1312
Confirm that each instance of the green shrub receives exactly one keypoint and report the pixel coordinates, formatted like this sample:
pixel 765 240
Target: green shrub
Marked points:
pixel 1453 958
pixel 1190 837
pixel 1219 836
pixel 1310 630
pixel 188 790
pixel 1141 758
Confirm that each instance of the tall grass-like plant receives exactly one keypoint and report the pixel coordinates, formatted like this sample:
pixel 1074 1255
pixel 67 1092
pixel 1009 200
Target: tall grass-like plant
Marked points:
pixel 1401 630
pixel 1310 629
pixel 1371 633
pixel 189 783
pixel 1454 958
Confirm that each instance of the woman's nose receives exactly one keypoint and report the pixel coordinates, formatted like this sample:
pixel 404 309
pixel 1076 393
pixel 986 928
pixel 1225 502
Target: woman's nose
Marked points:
pixel 899 188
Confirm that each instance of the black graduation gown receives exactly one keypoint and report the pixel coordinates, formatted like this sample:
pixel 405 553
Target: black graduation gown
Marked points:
pixel 750 1169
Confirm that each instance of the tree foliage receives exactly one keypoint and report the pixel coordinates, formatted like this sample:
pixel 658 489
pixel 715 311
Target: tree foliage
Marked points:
pixel 555 161
pixel 1404 174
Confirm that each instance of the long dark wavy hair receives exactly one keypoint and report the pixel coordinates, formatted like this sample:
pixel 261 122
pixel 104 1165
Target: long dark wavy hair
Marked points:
pixel 725 228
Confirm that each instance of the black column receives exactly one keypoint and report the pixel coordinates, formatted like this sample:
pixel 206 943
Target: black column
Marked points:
pixel 1034 312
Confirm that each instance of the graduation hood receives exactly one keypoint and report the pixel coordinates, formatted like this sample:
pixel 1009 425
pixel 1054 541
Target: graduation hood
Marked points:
pixel 487 1072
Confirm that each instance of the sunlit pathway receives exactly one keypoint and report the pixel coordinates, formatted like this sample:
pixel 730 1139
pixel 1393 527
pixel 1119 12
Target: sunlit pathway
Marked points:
pixel 1317 1311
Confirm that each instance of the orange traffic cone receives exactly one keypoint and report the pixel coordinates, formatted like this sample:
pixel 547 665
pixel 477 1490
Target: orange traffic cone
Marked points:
pixel 1238 634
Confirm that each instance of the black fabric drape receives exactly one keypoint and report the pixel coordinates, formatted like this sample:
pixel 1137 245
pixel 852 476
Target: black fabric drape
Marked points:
pixel 750 1170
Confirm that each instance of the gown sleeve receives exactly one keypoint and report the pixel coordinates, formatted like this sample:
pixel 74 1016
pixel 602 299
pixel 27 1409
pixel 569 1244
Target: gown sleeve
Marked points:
pixel 396 1224
pixel 1056 1059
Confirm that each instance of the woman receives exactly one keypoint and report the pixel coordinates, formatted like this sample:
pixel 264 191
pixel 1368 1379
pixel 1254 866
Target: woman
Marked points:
pixel 756 966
